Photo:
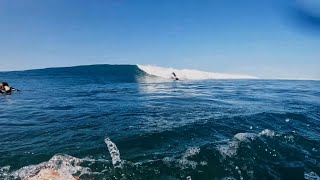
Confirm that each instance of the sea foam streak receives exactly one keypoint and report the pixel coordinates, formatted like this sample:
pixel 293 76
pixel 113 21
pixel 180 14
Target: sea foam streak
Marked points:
pixel 230 149
pixel 189 74
pixel 114 153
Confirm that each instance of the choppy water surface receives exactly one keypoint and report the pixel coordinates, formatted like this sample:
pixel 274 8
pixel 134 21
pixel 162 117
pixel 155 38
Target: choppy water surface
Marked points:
pixel 117 122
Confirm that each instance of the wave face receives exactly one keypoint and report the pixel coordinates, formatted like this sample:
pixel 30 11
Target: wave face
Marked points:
pixel 103 73
pixel 188 74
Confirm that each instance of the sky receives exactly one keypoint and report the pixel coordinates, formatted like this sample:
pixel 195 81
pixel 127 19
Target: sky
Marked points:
pixel 265 38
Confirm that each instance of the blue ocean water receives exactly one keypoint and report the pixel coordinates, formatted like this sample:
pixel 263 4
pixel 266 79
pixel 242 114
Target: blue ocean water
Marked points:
pixel 117 122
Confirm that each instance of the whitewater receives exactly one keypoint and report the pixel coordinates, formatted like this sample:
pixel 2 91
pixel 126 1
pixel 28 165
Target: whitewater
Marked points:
pixel 189 74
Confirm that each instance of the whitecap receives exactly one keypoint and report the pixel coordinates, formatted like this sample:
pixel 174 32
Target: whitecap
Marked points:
pixel 229 149
pixel 311 176
pixel 191 152
pixel 267 132
pixel 245 136
pixel 168 160
pixel 189 74
pixel 65 165
pixel 4 172
pixel 184 162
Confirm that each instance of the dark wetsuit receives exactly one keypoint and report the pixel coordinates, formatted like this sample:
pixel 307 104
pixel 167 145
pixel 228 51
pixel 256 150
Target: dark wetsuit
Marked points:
pixel 175 77
pixel 3 89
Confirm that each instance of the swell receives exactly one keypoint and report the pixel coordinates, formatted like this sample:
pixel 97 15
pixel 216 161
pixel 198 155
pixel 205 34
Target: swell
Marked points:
pixel 88 73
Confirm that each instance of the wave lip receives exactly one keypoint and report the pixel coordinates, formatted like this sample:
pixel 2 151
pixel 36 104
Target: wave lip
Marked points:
pixel 189 74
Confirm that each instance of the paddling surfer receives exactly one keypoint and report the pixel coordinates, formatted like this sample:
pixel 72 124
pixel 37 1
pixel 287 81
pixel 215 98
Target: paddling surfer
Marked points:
pixel 6 89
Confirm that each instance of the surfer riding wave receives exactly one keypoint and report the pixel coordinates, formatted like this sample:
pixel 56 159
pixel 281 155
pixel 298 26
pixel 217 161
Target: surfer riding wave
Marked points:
pixel 175 76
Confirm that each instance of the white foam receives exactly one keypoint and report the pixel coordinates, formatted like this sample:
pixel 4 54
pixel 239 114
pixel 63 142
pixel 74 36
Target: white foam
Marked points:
pixel 267 132
pixel 188 74
pixel 184 162
pixel 191 152
pixel 230 149
pixel 114 153
pixel 168 160
pixel 65 164
pixel 228 178
pixel 4 172
pixel 289 138
pixel 245 136
pixel 311 176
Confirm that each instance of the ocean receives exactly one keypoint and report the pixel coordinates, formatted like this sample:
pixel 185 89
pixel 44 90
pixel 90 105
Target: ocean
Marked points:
pixel 120 122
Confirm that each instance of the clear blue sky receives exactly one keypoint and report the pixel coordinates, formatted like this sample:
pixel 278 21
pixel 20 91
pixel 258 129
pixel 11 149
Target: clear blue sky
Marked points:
pixel 248 37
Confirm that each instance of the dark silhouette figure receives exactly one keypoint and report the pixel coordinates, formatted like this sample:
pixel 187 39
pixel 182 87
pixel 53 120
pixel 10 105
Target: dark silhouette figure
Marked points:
pixel 6 89
pixel 175 76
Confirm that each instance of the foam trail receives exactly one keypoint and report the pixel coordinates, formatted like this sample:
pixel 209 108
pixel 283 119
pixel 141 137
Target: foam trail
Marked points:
pixel 114 153
pixel 189 74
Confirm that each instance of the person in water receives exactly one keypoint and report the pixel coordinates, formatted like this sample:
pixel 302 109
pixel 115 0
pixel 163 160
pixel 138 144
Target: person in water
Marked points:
pixel 174 76
pixel 6 89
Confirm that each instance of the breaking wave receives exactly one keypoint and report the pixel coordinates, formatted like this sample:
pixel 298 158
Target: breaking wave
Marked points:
pixel 123 73
pixel 188 74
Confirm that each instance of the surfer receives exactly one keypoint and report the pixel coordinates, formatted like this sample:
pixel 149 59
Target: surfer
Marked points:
pixel 174 76
pixel 6 89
